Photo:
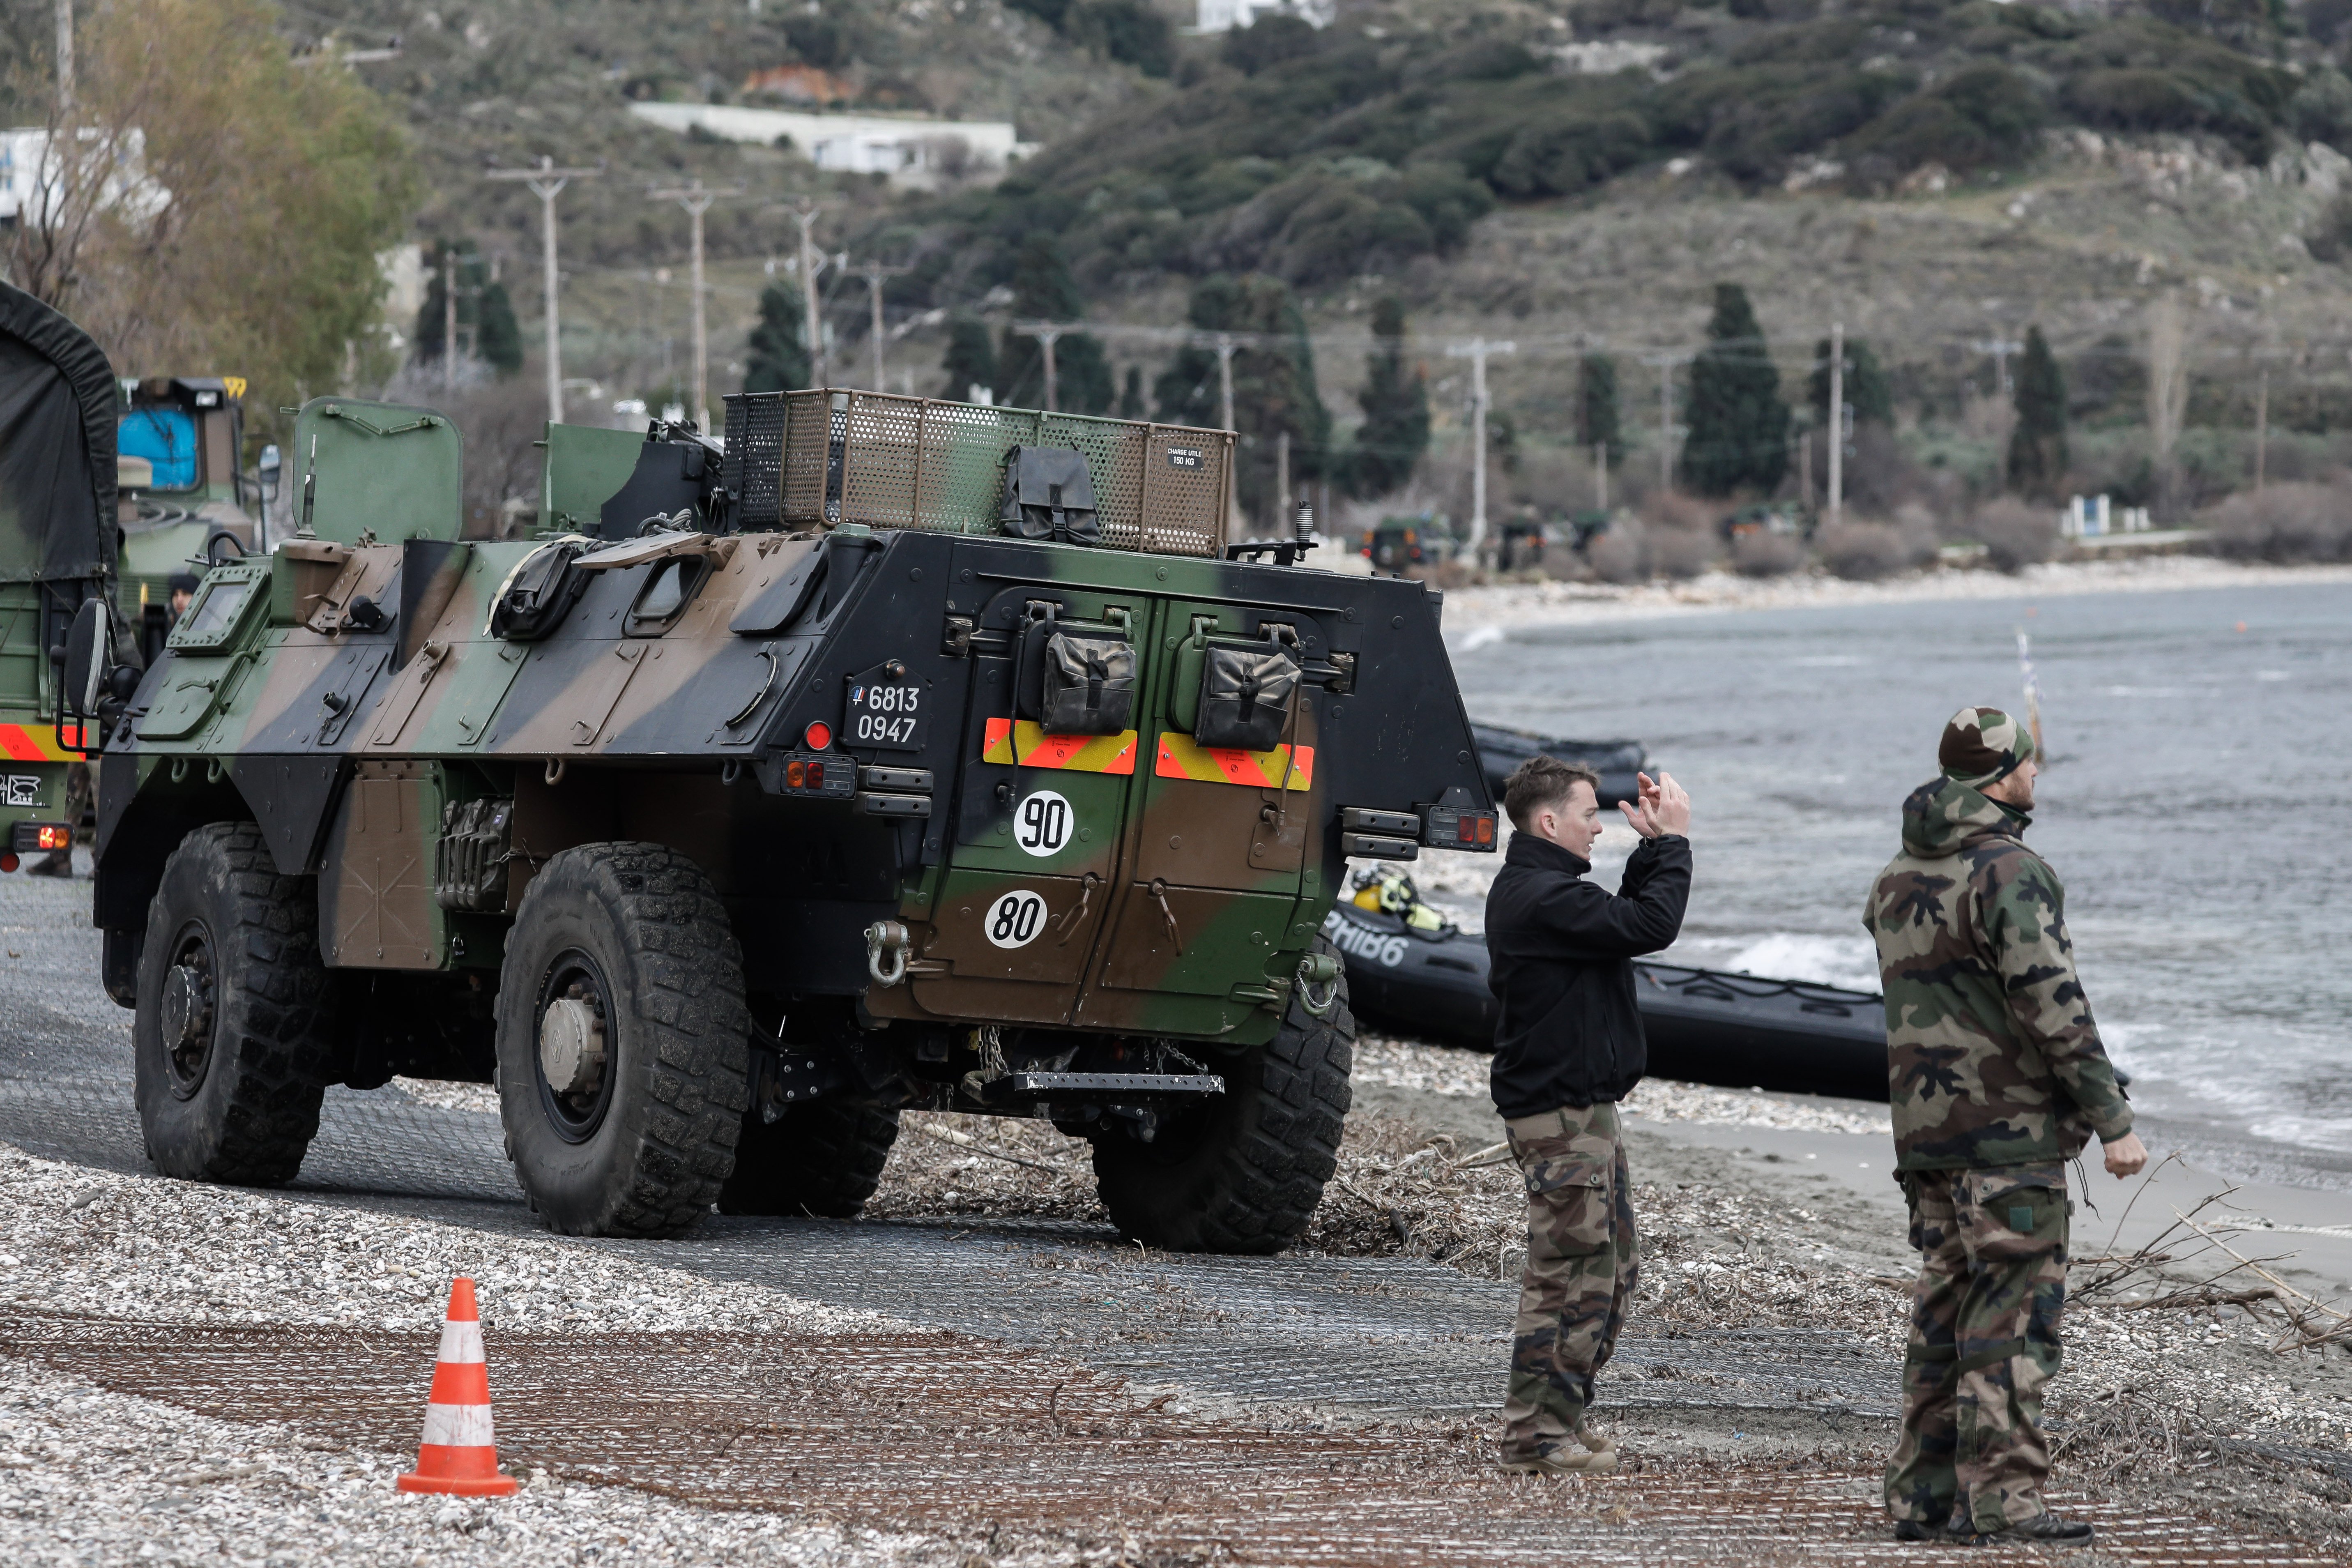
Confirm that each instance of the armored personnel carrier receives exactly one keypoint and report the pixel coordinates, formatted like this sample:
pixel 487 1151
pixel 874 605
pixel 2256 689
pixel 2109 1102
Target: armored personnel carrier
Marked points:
pixel 897 754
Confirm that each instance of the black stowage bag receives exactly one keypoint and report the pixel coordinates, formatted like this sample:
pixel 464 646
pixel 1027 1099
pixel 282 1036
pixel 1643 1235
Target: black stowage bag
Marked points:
pixel 470 867
pixel 1049 495
pixel 1245 698
pixel 1088 687
pixel 537 594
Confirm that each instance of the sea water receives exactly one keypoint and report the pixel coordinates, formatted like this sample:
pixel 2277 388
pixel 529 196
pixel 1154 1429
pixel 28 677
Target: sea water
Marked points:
pixel 2197 804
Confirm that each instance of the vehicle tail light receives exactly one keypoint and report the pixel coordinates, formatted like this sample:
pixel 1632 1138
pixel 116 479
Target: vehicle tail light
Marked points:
pixel 818 735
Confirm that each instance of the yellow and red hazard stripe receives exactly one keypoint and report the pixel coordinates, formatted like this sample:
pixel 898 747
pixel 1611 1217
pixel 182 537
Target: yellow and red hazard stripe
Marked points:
pixel 1022 743
pixel 1181 757
pixel 35 744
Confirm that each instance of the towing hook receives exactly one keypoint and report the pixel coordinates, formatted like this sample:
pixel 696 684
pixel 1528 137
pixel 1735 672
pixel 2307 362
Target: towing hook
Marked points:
pixel 885 952
pixel 1318 969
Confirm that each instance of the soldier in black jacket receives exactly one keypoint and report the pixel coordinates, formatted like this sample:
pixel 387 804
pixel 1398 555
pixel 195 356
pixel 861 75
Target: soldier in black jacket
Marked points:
pixel 1568 1047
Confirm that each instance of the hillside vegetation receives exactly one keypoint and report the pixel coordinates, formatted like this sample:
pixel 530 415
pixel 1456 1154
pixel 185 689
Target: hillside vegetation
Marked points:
pixel 1321 155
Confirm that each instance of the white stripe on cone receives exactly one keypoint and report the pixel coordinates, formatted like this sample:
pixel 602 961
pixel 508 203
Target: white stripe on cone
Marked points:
pixel 457 1425
pixel 460 1342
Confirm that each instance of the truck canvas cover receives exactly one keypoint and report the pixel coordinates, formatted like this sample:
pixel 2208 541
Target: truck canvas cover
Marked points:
pixel 57 446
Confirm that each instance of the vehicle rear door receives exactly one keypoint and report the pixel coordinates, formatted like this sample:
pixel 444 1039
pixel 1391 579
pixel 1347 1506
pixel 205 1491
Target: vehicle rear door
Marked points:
pixel 1217 842
pixel 1037 822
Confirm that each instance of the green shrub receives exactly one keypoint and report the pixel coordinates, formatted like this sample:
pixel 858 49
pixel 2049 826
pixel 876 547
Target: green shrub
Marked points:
pixel 1982 117
pixel 1270 40
pixel 1564 156
pixel 2322 109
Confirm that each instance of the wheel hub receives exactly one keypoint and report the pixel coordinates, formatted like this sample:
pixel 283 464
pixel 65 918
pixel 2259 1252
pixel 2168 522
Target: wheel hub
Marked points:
pixel 572 1045
pixel 187 1006
pixel 185 1012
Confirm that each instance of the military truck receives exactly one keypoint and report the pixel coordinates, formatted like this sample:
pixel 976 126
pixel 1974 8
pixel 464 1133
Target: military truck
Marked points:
pixel 184 490
pixel 57 552
pixel 893 754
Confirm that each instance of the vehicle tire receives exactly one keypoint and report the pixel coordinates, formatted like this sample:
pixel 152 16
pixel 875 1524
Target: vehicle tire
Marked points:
pixel 635 1132
pixel 1243 1171
pixel 822 1158
pixel 233 1039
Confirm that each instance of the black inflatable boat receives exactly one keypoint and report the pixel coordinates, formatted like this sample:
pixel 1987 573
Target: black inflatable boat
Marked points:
pixel 1617 762
pixel 1704 1026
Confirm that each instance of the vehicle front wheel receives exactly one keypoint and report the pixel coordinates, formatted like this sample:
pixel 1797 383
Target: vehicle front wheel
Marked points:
pixel 1243 1172
pixel 623 1042
pixel 233 1032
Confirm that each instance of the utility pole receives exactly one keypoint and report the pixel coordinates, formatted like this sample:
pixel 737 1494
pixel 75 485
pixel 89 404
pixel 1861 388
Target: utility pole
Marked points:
pixel 2262 423
pixel 547 183
pixel 65 61
pixel 2000 348
pixel 696 201
pixel 1476 352
pixel 1047 334
pixel 1665 364
pixel 810 264
pixel 1224 346
pixel 1837 420
pixel 875 273
pixel 1281 477
pixel 448 317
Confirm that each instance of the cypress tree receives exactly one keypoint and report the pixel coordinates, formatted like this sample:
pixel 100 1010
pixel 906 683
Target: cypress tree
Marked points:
pixel 486 318
pixel 1597 419
pixel 2037 446
pixel 1866 387
pixel 498 337
pixel 971 359
pixel 1045 290
pixel 1395 399
pixel 779 360
pixel 1130 397
pixel 1738 426
pixel 432 316
pixel 1274 386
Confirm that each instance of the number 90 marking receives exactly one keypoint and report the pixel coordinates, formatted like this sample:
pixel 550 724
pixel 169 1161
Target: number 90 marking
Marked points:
pixel 1016 917
pixel 1042 823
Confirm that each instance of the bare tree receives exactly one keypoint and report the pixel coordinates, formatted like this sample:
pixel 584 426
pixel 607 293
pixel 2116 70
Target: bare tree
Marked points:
pixel 2168 387
pixel 208 204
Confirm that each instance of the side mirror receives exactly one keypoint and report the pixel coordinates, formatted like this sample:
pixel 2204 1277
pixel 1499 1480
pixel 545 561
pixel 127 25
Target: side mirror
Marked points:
pixel 90 657
pixel 271 469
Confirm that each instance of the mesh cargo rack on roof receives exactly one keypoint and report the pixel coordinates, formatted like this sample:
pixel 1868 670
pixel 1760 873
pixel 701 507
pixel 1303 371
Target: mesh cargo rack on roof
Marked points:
pixel 824 456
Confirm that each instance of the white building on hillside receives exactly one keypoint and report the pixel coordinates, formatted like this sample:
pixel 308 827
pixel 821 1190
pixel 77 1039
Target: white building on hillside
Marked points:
pixel 912 150
pixel 1223 16
pixel 31 176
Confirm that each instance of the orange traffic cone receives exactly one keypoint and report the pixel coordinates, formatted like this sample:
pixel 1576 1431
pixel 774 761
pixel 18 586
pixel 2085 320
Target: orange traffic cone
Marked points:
pixel 459 1454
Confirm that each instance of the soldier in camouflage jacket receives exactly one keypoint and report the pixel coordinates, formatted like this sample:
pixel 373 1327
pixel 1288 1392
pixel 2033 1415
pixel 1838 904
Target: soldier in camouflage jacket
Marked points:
pixel 1996 1077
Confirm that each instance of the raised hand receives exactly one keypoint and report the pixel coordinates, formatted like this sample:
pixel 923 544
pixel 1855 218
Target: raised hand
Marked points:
pixel 1641 819
pixel 1667 805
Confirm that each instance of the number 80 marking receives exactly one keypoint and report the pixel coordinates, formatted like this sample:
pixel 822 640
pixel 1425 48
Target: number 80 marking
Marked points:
pixel 1016 919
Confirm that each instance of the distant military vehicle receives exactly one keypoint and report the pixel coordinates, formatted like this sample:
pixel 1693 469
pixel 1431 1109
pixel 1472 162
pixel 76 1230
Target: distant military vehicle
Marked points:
pixel 57 552
pixel 184 490
pixel 897 754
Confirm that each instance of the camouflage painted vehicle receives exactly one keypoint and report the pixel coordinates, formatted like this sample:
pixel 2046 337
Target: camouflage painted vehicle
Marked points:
pixel 901 754
pixel 57 552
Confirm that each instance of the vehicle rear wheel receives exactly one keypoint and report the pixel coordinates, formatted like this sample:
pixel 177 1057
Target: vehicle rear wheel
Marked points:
pixel 1243 1171
pixel 623 1042
pixel 232 1036
pixel 825 1157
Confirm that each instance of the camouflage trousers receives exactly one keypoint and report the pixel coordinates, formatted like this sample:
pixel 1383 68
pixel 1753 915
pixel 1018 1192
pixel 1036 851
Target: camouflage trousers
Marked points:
pixel 1984 1342
pixel 1583 1261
